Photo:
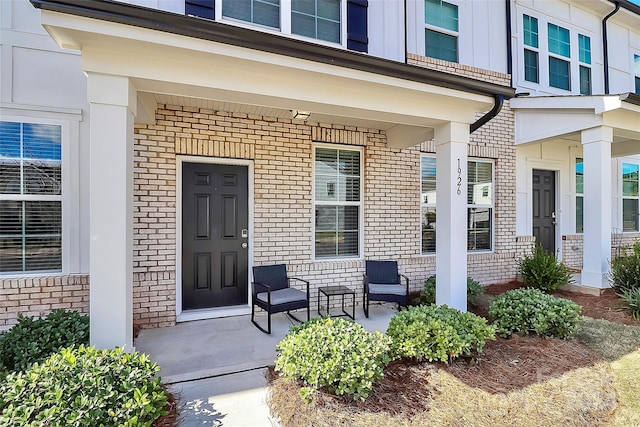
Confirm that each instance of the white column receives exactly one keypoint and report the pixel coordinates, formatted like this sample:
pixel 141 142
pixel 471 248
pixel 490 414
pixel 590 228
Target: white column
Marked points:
pixel 596 144
pixel 111 210
pixel 451 223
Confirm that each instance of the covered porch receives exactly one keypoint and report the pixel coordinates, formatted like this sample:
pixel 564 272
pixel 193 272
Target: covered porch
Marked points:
pixel 587 143
pixel 137 59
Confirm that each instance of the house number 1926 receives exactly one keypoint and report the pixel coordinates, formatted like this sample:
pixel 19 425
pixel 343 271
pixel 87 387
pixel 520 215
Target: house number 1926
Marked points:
pixel 459 178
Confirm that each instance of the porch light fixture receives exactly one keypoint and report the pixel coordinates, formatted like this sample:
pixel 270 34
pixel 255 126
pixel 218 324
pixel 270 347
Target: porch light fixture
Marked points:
pixel 300 115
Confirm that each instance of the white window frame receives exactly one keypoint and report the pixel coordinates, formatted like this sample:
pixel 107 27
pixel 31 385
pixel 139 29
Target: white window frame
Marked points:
pixel 285 23
pixel 585 65
pixel 635 73
pixel 468 206
pixel 531 48
pixel 442 30
pixel 576 194
pixel 425 205
pixel 544 54
pixel 69 122
pixel 628 161
pixel 492 207
pixel 360 204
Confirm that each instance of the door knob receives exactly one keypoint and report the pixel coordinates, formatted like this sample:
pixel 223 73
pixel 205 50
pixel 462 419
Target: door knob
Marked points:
pixel 245 245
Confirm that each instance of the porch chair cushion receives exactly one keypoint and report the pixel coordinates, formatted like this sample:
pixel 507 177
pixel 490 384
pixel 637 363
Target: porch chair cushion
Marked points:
pixel 283 296
pixel 375 288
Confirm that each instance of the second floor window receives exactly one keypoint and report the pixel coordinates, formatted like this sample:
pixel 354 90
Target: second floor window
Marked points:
pixel 531 54
pixel 584 56
pixel 30 197
pixel 559 56
pixel 316 19
pixel 636 71
pixel 441 30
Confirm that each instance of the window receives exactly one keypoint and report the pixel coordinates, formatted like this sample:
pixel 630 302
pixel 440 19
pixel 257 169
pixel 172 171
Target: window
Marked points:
pixel 636 71
pixel 630 197
pixel 317 19
pixel 531 64
pixel 338 202
pixel 428 204
pixel 261 12
pixel 441 30
pixel 30 197
pixel 479 199
pixel 579 195
pixel 559 48
pixel 584 57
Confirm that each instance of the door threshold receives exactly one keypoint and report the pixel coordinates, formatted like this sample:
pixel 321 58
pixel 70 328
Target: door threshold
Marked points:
pixel 213 313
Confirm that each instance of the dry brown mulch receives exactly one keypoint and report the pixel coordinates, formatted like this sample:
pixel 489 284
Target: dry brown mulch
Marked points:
pixel 171 419
pixel 510 364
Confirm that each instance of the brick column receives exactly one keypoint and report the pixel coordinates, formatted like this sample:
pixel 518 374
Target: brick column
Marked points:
pixel 451 222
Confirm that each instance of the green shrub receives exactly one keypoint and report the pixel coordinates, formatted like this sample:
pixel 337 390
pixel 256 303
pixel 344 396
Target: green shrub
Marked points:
pixel 632 298
pixel 428 292
pixel 531 310
pixel 430 332
pixel 625 271
pixel 33 340
pixel 84 387
pixel 338 355
pixel 542 270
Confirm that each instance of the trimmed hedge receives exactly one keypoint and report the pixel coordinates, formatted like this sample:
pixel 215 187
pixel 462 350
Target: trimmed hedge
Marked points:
pixel 430 332
pixel 336 354
pixel 530 310
pixel 83 386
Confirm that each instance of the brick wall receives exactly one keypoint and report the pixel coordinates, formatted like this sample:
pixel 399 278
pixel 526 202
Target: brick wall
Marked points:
pixel 37 296
pixel 573 248
pixel 282 152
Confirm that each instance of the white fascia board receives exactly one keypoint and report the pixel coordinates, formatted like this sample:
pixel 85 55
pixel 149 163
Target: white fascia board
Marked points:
pixel 536 125
pixel 149 55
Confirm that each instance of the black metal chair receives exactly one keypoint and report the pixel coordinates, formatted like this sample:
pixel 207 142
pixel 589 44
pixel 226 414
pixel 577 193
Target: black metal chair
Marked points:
pixel 271 291
pixel 382 282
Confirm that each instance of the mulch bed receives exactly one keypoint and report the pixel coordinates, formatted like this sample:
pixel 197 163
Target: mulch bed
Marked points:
pixel 506 365
pixel 607 306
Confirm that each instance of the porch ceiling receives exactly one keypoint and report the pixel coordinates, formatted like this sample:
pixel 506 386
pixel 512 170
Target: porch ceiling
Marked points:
pixel 167 67
pixel 563 118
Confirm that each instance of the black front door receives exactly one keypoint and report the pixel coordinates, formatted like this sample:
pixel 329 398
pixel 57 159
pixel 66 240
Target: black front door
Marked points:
pixel 215 219
pixel 544 209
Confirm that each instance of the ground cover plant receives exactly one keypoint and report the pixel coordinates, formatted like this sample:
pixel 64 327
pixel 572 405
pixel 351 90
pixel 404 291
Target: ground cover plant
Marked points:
pixel 430 332
pixel 35 339
pixel 530 310
pixel 428 291
pixel 338 355
pixel 84 387
pixel 625 279
pixel 590 379
pixel 542 270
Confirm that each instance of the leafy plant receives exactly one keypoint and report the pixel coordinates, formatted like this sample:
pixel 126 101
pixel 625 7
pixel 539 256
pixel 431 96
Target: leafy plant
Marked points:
pixel 338 355
pixel 430 332
pixel 632 298
pixel 428 292
pixel 33 340
pixel 542 270
pixel 625 271
pixel 531 310
pixel 83 386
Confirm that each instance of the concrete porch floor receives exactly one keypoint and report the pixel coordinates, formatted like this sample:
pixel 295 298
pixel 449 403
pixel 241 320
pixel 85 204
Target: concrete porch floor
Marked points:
pixel 217 367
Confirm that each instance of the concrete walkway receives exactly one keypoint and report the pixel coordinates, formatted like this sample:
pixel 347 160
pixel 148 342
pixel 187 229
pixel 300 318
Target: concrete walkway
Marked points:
pixel 217 367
